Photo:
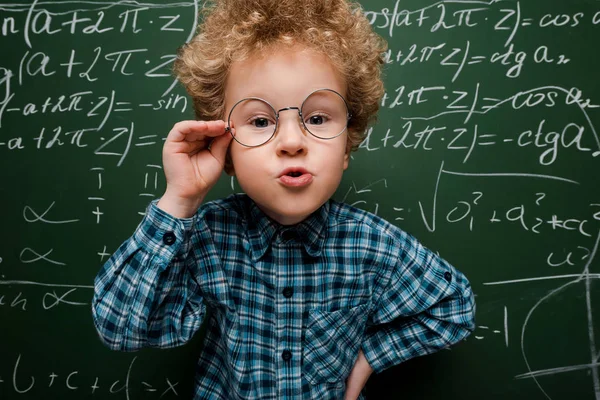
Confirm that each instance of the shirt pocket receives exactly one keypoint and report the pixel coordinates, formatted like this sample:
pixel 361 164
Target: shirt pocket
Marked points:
pixel 332 341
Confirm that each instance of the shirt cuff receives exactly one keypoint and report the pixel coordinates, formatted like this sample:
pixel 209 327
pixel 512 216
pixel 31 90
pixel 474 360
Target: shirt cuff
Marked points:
pixel 374 348
pixel 161 233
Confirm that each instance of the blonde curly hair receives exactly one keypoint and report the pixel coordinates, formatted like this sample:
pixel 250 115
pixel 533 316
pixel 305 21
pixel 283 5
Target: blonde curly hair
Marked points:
pixel 235 30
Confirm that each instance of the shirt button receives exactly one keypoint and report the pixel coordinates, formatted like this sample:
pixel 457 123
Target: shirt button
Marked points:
pixel 169 238
pixel 288 292
pixel 286 355
pixel 448 276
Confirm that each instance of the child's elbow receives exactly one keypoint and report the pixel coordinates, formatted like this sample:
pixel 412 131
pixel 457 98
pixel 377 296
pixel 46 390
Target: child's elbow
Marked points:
pixel 110 334
pixel 467 315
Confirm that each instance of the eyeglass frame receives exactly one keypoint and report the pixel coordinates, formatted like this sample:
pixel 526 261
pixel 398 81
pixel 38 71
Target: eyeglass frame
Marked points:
pixel 348 117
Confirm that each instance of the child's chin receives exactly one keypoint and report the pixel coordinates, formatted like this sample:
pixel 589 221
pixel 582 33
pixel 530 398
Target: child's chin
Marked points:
pixel 288 213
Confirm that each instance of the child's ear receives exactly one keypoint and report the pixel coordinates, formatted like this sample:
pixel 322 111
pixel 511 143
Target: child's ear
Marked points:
pixel 346 159
pixel 347 155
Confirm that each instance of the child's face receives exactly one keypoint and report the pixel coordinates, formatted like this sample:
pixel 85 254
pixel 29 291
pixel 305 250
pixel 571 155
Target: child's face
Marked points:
pixel 285 79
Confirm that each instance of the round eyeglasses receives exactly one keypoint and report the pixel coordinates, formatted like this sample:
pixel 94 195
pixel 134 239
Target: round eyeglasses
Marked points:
pixel 324 114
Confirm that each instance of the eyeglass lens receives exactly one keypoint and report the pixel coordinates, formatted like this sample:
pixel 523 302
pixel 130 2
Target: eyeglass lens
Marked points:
pixel 324 114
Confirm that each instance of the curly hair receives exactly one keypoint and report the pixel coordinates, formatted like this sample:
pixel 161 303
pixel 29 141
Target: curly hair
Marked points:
pixel 234 30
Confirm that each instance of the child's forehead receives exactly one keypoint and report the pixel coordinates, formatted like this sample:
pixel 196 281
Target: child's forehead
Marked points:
pixel 278 53
pixel 283 72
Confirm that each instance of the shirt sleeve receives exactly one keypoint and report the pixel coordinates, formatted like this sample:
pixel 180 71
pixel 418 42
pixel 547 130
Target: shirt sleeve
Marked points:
pixel 148 292
pixel 426 305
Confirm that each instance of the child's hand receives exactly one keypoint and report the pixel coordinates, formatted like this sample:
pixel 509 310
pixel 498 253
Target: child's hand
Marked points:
pixel 193 159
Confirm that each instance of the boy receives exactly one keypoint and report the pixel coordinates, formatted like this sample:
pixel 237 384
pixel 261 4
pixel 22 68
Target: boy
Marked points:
pixel 308 296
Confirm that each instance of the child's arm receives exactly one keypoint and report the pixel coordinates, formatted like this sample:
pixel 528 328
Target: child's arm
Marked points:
pixel 425 305
pixel 144 295
pixel 358 377
pixel 150 291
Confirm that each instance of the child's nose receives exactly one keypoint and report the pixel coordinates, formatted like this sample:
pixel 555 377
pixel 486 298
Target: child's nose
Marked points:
pixel 290 135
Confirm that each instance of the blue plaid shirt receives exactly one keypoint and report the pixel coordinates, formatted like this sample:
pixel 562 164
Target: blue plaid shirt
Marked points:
pixel 291 305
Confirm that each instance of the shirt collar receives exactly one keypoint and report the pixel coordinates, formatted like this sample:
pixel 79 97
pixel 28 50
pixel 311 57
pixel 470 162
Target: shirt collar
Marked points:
pixel 262 230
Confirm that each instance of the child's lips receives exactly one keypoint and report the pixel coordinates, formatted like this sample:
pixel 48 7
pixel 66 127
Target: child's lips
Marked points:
pixel 296 181
pixel 295 177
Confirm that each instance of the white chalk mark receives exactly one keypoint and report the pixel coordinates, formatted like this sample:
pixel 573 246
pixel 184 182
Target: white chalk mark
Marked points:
pixel 512 98
pixel 189 38
pixel 60 300
pixel 365 189
pixel 462 64
pixel 514 174
pixel 470 114
pixel 593 366
pixel 431 228
pixel 514 31
pixel 553 371
pixel 21 391
pixel 39 257
pixel 525 328
pixel 41 217
pixel 170 388
pixel 126 4
pixel 591 335
pixel 149 387
pixel 437 184
pixel 128 376
pixel 57 285
pixel 541 278
pixel 505 326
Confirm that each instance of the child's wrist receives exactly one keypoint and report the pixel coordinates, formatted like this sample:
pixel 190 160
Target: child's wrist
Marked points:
pixel 179 207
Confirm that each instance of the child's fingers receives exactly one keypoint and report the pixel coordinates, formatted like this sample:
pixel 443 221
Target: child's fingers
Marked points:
pixel 195 130
pixel 218 147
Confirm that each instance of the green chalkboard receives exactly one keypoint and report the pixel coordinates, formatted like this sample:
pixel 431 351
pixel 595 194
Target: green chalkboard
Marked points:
pixel 486 149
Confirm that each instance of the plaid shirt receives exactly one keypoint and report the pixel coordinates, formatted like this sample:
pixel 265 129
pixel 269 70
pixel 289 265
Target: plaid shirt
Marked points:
pixel 290 306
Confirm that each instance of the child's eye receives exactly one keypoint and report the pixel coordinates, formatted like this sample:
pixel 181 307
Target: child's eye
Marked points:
pixel 260 122
pixel 317 120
